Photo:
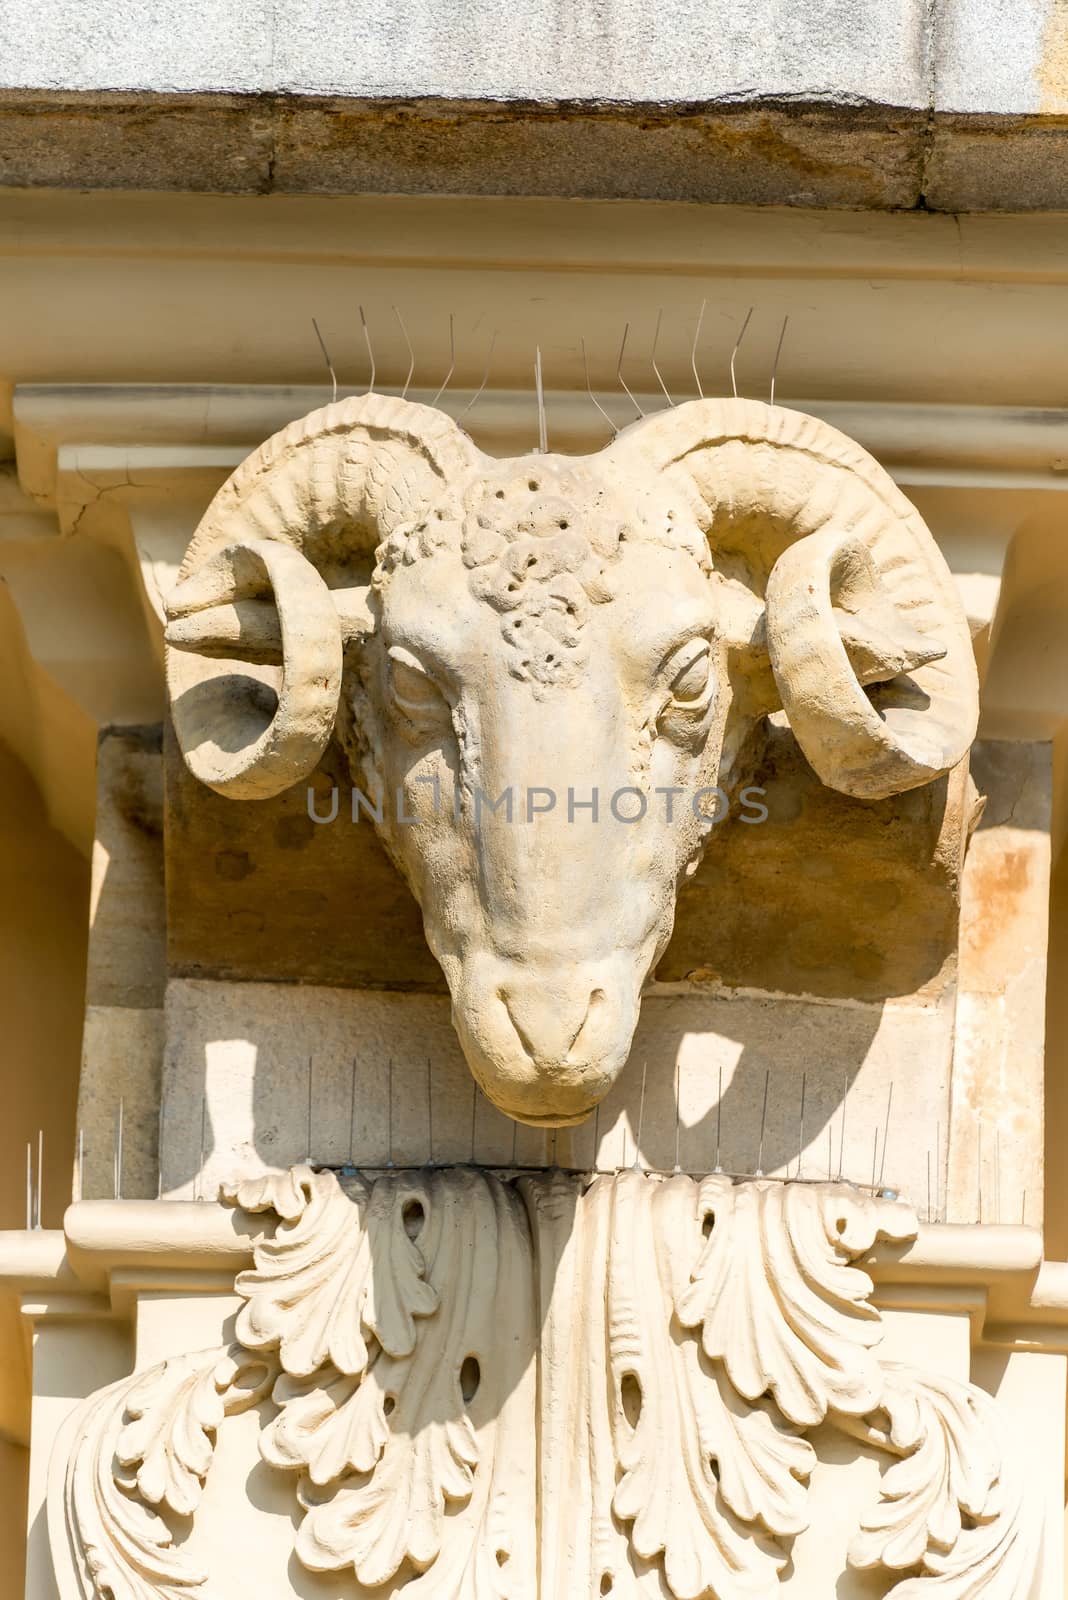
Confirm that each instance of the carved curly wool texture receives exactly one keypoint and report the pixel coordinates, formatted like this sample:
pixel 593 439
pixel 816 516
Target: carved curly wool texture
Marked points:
pixel 559 1388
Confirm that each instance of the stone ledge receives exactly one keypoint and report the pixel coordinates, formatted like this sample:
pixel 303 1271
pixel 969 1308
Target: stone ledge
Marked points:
pixel 762 154
pixel 766 152
pixel 118 1244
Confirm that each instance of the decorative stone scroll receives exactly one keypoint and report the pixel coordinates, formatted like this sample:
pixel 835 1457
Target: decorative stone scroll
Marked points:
pixel 493 1391
pixel 139 1450
pixel 535 667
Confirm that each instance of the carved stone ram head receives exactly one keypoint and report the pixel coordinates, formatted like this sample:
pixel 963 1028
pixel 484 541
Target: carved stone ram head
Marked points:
pixel 614 622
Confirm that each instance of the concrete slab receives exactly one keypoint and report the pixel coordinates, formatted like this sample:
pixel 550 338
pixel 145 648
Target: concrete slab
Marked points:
pixel 616 51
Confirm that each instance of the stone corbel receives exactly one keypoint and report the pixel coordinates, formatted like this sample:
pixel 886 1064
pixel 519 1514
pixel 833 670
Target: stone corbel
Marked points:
pixel 632 1366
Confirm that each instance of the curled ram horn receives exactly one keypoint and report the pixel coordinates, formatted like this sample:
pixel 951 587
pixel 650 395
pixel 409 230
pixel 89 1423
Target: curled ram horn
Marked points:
pixel 217 610
pixel 832 630
pixel 867 642
pixel 316 500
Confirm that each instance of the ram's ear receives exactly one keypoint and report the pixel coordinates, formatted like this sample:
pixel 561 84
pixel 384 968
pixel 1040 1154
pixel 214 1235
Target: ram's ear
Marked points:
pixel 742 624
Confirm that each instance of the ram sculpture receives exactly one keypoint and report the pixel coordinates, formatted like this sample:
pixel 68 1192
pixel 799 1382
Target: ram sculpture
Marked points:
pixel 547 662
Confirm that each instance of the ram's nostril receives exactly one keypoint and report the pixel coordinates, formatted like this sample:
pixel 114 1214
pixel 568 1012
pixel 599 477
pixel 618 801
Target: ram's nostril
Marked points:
pixel 549 1018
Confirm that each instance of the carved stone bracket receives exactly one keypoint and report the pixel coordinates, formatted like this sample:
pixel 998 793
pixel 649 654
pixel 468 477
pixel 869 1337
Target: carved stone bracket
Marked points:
pixel 493 1391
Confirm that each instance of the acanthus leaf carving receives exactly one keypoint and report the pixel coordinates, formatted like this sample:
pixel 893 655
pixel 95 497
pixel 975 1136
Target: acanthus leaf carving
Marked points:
pixel 419 1252
pixel 954 1505
pixel 339 1267
pixel 762 1464
pixel 623 1368
pixel 777 1298
pixel 667 1448
pixel 143 1447
pixel 165 1449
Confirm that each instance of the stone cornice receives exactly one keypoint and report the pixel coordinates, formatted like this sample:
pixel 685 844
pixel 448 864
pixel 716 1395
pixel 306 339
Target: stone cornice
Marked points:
pixel 137 435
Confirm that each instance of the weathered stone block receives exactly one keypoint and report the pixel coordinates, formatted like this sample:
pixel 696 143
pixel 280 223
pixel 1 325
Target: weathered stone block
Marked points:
pixel 122 1041
pixel 270 1074
pixel 867 51
pixel 827 897
pixel 126 939
pixel 259 890
pixel 996 1150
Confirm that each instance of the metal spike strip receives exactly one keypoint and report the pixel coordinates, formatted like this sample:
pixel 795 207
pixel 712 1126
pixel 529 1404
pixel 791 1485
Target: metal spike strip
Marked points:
pixel 326 357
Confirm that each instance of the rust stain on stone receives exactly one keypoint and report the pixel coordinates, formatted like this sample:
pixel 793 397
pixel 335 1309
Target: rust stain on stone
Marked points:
pixel 1052 71
pixel 1000 880
pixel 763 138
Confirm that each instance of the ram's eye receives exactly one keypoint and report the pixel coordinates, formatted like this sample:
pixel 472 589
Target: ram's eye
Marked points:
pixel 414 690
pixel 688 673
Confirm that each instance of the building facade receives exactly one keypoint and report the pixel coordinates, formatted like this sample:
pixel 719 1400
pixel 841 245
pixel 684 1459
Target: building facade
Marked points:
pixel 533 901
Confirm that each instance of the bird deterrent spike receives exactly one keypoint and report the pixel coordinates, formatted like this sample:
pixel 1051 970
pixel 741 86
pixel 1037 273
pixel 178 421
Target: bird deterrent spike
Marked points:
pixel 734 352
pixel 775 363
pixel 118 1148
pixel 886 1132
pixel 677 1167
pixel 543 431
pixel 693 352
pixel 485 379
pixel 370 352
pixel 352 1116
pixel 656 369
pixel 763 1123
pixel 619 373
pixel 411 354
pixel 641 1119
pixel 326 357
pixel 719 1120
pixel 452 360
pixel 801 1125
pixel 589 390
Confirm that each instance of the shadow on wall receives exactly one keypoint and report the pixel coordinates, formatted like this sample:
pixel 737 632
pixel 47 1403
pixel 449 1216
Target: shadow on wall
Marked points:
pixel 268 1074
pixel 44 898
pixel 748 1048
pixel 829 896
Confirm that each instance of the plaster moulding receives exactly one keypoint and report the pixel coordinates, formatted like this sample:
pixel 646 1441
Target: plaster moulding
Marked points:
pixel 551 1388
pixel 123 434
